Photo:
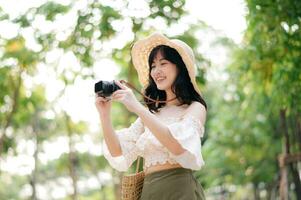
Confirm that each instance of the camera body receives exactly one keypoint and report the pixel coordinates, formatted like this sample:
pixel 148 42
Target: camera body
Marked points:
pixel 105 88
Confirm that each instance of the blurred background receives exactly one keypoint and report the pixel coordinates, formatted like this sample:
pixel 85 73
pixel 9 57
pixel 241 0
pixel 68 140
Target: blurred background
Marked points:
pixel 52 52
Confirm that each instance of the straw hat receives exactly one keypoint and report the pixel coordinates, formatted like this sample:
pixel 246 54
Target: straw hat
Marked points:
pixel 141 51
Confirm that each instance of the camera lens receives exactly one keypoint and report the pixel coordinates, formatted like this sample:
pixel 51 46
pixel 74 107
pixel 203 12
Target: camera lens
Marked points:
pixel 105 88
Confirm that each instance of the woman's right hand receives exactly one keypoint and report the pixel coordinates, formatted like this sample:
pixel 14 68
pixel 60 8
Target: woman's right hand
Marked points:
pixel 103 105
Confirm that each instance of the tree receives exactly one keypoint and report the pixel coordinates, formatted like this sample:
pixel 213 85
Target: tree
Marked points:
pixel 93 25
pixel 265 89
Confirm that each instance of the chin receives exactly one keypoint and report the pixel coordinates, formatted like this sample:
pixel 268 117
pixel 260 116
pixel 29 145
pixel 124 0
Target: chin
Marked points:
pixel 161 87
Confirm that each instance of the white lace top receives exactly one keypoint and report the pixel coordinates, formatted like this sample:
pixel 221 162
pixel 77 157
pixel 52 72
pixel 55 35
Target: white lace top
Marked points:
pixel 138 140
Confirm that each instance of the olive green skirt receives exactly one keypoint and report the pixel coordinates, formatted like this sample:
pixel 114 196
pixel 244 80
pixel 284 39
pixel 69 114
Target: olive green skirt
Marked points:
pixel 172 184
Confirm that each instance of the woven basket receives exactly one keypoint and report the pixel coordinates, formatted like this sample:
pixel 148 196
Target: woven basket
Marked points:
pixel 132 184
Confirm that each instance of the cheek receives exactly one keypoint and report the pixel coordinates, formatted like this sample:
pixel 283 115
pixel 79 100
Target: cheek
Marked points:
pixel 151 74
pixel 172 73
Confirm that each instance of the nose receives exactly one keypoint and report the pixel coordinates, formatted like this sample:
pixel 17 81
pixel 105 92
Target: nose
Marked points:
pixel 156 71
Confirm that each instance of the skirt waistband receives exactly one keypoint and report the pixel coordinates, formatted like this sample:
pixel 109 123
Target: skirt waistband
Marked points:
pixel 165 173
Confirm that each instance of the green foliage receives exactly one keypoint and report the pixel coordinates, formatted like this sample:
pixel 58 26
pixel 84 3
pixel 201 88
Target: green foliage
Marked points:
pixel 15 48
pixel 51 9
pixel 245 135
pixel 10 186
pixel 274 50
pixel 83 36
pixel 108 16
pixel 3 15
pixel 168 10
pixel 242 137
pixel 93 24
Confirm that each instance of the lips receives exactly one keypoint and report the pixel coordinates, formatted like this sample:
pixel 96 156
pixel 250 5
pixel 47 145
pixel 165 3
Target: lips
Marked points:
pixel 159 79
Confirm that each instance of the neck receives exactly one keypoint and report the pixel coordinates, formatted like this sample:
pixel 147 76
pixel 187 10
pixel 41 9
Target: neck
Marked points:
pixel 171 95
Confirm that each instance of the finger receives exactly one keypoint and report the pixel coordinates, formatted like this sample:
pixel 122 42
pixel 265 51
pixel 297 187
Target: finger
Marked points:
pixel 118 92
pixel 108 99
pixel 100 99
pixel 120 85
pixel 117 97
pixel 97 98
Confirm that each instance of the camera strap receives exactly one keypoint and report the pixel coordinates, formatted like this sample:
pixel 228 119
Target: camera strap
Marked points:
pixel 153 100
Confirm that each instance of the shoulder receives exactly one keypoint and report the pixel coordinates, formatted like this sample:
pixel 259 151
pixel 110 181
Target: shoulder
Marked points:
pixel 197 105
pixel 197 110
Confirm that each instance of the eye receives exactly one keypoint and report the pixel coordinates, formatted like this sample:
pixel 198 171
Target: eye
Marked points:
pixel 153 66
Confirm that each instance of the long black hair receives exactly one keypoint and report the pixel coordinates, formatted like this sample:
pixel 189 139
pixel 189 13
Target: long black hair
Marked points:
pixel 182 86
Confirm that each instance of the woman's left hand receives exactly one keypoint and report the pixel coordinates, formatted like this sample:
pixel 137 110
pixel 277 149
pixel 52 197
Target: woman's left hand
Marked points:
pixel 126 96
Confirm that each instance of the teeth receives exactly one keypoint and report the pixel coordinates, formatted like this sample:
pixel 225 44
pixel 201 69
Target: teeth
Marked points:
pixel 160 79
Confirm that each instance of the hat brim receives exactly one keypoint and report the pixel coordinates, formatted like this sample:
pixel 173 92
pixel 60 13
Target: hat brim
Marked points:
pixel 141 51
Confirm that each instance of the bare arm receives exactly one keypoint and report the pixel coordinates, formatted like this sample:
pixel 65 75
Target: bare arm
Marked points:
pixel 104 109
pixel 110 136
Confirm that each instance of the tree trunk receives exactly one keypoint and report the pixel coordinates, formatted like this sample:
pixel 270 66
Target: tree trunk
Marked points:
pixel 286 150
pixel 33 178
pixel 292 167
pixel 298 130
pixel 33 181
pixel 95 173
pixel 296 178
pixel 72 159
pixel 256 191
pixel 117 187
pixel 9 117
pixel 272 187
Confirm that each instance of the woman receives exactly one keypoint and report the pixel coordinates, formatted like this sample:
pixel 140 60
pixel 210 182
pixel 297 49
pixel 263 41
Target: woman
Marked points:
pixel 167 135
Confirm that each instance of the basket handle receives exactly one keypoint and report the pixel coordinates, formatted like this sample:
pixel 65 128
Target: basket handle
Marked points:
pixel 138 164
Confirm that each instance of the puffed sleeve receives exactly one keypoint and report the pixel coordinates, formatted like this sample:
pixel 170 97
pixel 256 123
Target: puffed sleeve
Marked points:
pixel 127 138
pixel 188 132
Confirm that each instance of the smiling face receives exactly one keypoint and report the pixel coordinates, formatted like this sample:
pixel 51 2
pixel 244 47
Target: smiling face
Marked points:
pixel 168 78
pixel 163 72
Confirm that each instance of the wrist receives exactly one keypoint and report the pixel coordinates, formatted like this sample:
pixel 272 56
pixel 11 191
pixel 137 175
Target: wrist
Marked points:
pixel 140 110
pixel 104 116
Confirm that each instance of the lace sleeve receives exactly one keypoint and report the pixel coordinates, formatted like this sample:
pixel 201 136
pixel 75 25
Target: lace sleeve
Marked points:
pixel 188 132
pixel 127 138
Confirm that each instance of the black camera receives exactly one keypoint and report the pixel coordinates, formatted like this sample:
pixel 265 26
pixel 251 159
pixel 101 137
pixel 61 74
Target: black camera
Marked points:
pixel 105 88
